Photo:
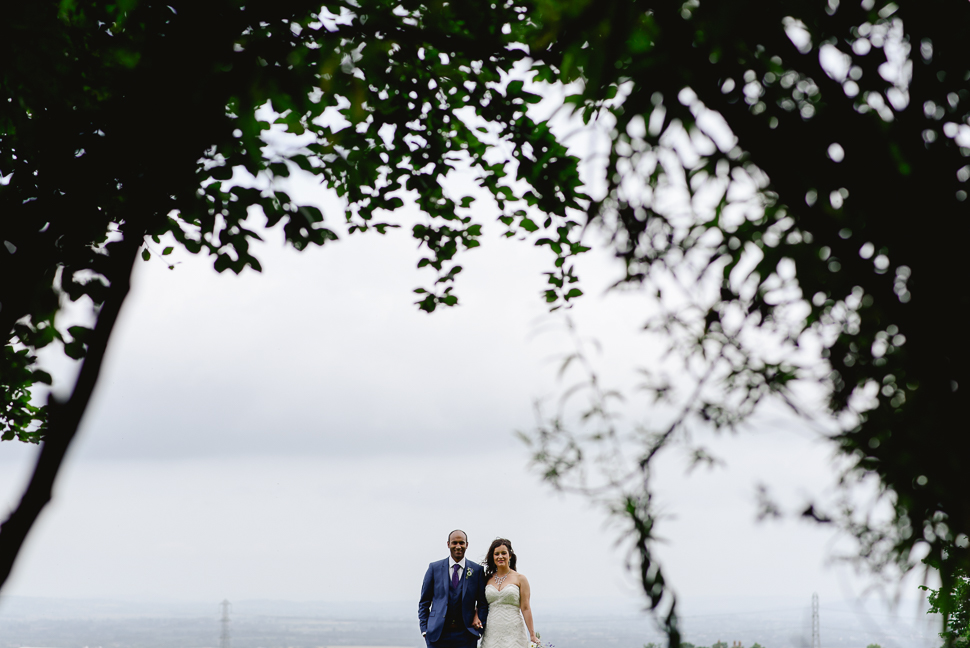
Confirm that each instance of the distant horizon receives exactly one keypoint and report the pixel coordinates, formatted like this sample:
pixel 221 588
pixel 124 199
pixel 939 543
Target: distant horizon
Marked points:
pixel 570 622
pixel 689 607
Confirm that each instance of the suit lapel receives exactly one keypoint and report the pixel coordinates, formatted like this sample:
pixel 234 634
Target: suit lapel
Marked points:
pixel 464 579
pixel 444 571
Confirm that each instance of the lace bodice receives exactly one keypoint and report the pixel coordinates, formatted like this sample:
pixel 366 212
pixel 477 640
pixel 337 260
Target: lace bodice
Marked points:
pixel 505 627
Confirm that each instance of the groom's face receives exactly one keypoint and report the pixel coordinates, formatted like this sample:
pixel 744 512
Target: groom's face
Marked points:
pixel 457 543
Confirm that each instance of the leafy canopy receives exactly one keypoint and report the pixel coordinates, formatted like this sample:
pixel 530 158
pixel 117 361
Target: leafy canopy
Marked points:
pixel 953 604
pixel 783 177
pixel 137 121
pixel 788 181
pixel 143 119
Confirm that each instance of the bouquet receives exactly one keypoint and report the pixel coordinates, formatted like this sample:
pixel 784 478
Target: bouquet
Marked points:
pixel 540 643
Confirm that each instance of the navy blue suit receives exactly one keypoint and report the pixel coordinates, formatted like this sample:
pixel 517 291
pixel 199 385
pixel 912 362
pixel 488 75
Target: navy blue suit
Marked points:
pixel 438 598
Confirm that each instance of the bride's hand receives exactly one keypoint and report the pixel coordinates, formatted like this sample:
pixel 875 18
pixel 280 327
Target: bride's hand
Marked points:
pixel 534 639
pixel 476 622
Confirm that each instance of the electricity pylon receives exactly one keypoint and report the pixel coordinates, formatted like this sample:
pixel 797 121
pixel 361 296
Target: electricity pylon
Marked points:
pixel 224 637
pixel 816 640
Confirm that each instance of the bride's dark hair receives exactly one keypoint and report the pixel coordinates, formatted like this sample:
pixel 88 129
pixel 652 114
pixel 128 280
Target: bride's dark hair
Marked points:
pixel 490 556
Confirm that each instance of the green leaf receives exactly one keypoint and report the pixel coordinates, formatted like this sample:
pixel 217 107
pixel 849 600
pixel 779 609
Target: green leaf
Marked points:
pixel 220 173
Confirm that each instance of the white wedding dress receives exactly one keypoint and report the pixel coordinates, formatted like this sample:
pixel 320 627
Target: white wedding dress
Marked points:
pixel 505 627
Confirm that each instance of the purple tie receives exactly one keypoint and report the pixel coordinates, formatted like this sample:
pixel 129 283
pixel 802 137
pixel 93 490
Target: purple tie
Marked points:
pixel 454 576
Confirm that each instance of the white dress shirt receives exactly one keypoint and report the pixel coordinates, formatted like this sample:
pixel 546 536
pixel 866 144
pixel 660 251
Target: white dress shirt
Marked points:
pixel 451 569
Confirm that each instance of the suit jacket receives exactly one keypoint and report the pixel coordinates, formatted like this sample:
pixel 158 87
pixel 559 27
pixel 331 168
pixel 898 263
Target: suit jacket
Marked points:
pixel 434 598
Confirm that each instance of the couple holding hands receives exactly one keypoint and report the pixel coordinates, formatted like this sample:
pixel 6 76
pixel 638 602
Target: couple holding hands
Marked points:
pixel 462 602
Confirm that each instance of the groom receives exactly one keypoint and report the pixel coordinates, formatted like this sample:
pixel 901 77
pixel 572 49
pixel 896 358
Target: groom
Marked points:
pixel 449 594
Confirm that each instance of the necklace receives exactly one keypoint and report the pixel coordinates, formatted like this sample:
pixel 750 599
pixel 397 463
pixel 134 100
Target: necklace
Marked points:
pixel 501 579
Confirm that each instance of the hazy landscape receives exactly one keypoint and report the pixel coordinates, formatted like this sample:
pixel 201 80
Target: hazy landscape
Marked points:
pixel 63 623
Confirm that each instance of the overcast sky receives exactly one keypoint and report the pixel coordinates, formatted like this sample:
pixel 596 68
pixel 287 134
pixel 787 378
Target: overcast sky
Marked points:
pixel 308 434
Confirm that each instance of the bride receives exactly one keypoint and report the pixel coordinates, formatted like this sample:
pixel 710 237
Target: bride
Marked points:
pixel 507 592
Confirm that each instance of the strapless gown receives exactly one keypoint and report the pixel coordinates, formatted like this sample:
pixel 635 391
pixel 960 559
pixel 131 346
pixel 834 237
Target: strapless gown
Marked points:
pixel 505 627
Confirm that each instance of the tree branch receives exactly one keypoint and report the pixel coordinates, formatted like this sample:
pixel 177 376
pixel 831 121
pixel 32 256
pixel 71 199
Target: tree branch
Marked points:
pixel 65 417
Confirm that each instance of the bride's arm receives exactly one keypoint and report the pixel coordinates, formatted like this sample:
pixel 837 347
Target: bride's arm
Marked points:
pixel 526 608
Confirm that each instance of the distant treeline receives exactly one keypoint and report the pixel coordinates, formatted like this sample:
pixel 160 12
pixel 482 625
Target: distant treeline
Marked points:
pixel 719 644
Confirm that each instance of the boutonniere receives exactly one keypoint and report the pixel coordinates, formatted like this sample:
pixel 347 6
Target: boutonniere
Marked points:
pixel 468 573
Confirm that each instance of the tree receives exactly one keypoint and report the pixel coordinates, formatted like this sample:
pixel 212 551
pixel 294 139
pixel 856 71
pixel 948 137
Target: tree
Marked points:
pixel 769 164
pixel 139 120
pixel 783 178
pixel 953 604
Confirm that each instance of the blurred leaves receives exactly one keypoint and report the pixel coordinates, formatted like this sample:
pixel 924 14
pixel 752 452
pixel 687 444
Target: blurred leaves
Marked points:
pixel 780 177
pixel 783 177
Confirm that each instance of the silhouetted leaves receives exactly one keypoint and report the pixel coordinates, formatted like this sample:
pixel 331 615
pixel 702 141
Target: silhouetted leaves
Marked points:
pixel 780 175
pixel 952 602
pixel 144 119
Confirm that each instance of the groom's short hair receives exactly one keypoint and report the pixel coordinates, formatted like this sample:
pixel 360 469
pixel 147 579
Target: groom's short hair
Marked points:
pixel 458 531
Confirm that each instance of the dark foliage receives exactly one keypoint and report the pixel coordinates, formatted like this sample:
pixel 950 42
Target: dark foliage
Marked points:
pixel 832 215
pixel 827 212
pixel 953 604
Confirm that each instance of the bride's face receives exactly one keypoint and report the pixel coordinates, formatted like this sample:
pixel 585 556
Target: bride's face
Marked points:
pixel 501 556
